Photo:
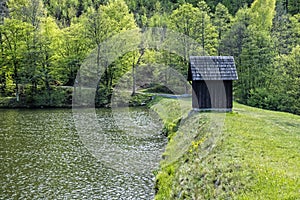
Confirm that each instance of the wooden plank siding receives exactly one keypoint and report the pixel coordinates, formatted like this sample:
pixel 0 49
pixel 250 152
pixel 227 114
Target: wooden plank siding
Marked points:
pixel 212 94
pixel 212 78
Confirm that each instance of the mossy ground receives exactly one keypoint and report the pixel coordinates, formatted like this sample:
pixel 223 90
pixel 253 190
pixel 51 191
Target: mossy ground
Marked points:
pixel 251 154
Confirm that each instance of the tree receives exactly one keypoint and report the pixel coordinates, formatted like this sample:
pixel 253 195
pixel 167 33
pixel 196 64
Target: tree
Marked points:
pixel 232 5
pixel 286 85
pixel 48 45
pixel 159 18
pixel 73 50
pixel 195 23
pixel 256 66
pixel 108 20
pixel 249 41
pixel 207 32
pixel 286 33
pixel 256 52
pixel 232 43
pixel 290 6
pixel 3 14
pixel 99 27
pixel 282 34
pixel 15 34
pixel 32 13
pixel 293 6
pixel 63 11
pixel 118 11
pixel 262 14
pixel 222 20
pixel 295 26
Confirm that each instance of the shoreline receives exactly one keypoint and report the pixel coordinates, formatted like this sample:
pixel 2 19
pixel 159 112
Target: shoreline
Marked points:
pixel 137 100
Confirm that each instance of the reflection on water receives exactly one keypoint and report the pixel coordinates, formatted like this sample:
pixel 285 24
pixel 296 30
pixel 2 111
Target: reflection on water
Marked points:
pixel 42 157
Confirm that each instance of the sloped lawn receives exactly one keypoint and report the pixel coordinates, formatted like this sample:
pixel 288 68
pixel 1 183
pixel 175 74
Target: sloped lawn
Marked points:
pixel 247 154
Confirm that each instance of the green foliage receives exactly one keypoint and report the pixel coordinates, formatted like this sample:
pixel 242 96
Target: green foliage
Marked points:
pixel 255 39
pixel 15 33
pixel 232 5
pixel 164 182
pixel 196 23
pixel 233 40
pixel 283 34
pixel 117 11
pixel 74 47
pixel 286 85
pixel 222 22
pixel 255 69
pixel 44 42
pixel 58 97
pixel 156 88
pixel 289 7
pixel 262 14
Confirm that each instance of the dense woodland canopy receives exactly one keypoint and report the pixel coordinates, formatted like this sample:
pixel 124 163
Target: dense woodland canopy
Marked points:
pixel 44 42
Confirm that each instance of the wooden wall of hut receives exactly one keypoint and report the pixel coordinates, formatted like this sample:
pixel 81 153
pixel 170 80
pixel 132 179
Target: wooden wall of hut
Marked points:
pixel 212 94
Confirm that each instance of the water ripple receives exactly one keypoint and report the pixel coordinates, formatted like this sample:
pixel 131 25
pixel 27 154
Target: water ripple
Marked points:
pixel 42 157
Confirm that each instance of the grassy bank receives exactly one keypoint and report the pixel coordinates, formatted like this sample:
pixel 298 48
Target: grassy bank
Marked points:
pixel 248 154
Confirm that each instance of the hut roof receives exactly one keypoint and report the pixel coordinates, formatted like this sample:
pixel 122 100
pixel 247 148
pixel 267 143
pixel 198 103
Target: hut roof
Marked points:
pixel 212 68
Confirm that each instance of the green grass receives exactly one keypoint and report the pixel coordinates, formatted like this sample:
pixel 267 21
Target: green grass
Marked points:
pixel 247 154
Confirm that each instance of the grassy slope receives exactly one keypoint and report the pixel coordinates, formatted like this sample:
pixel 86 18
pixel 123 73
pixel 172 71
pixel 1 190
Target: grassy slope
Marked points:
pixel 255 156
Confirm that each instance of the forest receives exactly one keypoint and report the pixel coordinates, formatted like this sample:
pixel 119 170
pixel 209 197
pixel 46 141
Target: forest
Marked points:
pixel 43 44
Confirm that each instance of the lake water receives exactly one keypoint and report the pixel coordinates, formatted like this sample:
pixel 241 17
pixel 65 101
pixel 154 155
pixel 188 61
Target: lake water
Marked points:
pixel 42 156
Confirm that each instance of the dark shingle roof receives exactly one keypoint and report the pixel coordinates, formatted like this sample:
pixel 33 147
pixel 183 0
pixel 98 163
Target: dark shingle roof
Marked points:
pixel 212 68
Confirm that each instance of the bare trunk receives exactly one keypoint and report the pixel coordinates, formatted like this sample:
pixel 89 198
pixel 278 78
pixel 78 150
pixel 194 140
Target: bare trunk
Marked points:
pixel 134 66
pixel 98 71
pixel 133 80
pixel 17 92
pixel 203 35
pixel 17 80
pixel 47 80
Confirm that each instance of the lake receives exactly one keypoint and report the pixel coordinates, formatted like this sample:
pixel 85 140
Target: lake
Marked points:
pixel 42 155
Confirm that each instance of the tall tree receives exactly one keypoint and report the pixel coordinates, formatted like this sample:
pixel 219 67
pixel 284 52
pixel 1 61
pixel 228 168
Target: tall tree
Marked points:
pixel 108 20
pixel 262 14
pixel 232 5
pixel 286 82
pixel 73 50
pixel 159 18
pixel 257 51
pixel 257 56
pixel 207 31
pixel 286 32
pixel 222 21
pixel 48 46
pixel 195 23
pixel 293 6
pixel 232 43
pixel 33 12
pixel 3 14
pixel 15 33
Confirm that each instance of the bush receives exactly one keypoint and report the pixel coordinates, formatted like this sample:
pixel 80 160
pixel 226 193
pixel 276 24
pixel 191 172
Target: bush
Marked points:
pixel 56 97
pixel 159 89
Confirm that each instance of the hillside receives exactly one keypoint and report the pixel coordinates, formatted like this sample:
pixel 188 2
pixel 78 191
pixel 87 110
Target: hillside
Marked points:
pixel 44 45
pixel 253 155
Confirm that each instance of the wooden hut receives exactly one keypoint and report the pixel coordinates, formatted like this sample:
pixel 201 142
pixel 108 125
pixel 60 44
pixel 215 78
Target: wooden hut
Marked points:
pixel 212 78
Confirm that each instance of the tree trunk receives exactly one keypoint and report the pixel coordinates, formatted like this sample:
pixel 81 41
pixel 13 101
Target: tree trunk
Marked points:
pixel 16 80
pixel 203 35
pixel 134 66
pixel 133 79
pixel 98 71
pixel 47 80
